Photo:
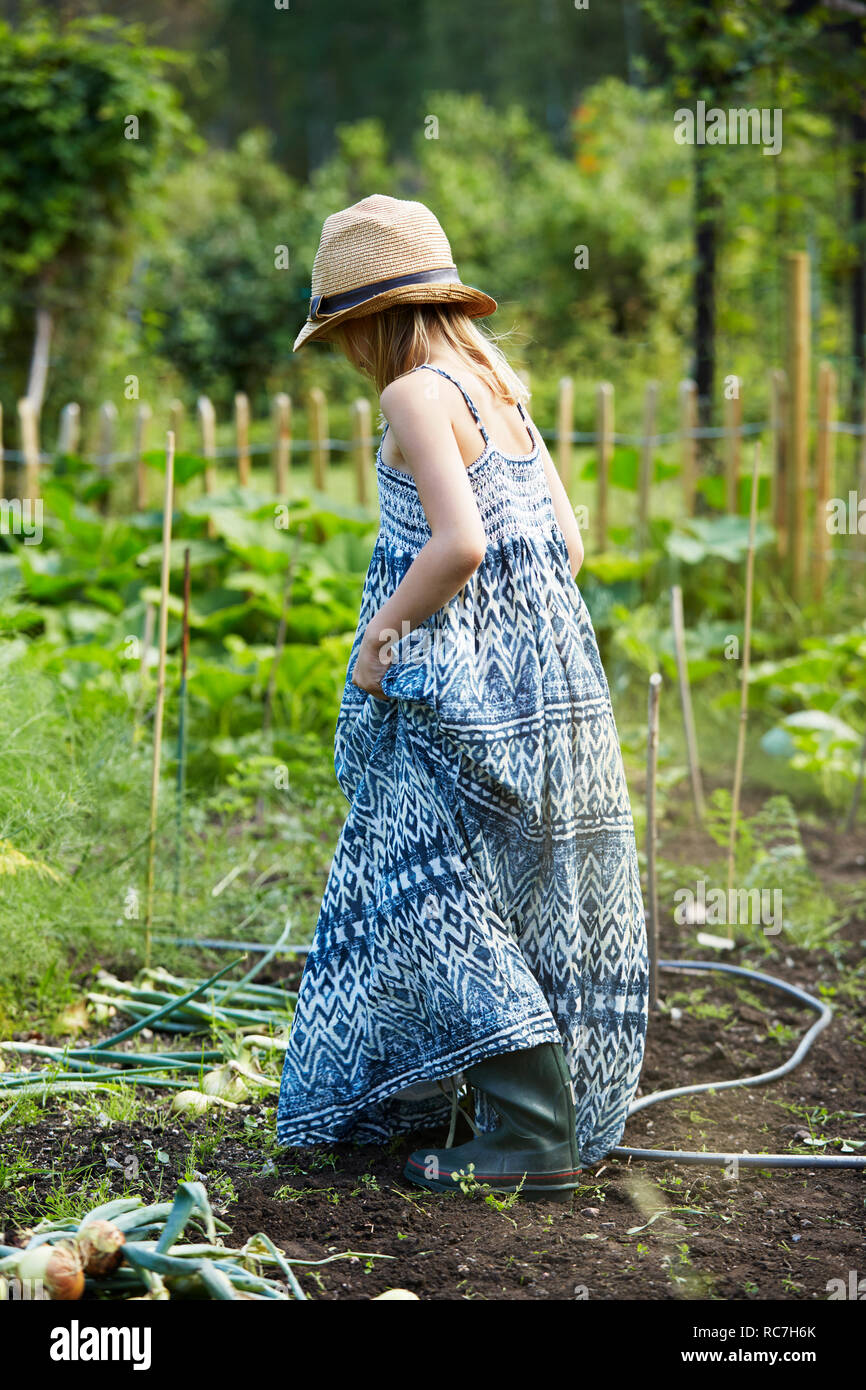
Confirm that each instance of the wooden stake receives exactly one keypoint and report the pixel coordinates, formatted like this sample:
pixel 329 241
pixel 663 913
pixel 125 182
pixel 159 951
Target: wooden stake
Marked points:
pixel 146 644
pixel 207 425
pixel 824 460
pixel 28 429
pixel 688 443
pixel 851 819
pixel 564 427
pixel 2 476
pixel 686 700
pixel 733 424
pixel 798 431
pixel 655 683
pixel 175 421
pixel 242 434
pixel 318 414
pixel 107 428
pixel 361 448
pixel 180 785
pixel 646 462
pixel 160 687
pixel 604 432
pixel 860 538
pixel 779 419
pixel 744 681
pixel 142 420
pixel 69 431
pixel 281 413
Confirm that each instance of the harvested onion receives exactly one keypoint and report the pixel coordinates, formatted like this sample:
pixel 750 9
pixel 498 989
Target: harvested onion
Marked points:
pixel 100 1245
pixel 57 1268
pixel 196 1103
pixel 225 1083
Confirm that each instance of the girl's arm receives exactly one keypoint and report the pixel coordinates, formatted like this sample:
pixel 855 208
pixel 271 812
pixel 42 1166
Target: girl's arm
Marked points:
pixel 565 517
pixel 423 433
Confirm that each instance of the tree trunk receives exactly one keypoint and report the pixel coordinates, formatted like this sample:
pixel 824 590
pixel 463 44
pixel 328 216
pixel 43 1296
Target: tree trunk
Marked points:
pixel 858 286
pixel 706 235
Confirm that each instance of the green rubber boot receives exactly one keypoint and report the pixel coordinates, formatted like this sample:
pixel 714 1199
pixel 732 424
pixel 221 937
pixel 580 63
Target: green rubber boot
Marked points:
pixel 534 1148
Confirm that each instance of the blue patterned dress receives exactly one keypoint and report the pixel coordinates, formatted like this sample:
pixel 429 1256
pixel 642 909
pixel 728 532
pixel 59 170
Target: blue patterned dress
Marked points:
pixel 484 895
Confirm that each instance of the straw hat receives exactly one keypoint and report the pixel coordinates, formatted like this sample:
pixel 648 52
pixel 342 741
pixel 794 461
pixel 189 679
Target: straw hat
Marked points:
pixel 380 252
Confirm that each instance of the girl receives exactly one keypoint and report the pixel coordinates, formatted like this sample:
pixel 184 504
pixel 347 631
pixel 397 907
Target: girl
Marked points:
pixel 482 923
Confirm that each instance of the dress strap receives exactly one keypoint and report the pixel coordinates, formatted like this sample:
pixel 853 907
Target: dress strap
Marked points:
pixel 462 389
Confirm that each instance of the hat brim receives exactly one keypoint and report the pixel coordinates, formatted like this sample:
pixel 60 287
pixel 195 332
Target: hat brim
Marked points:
pixel 475 303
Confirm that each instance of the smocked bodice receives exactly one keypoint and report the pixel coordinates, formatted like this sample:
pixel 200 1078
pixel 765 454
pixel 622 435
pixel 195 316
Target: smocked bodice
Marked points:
pixel 511 493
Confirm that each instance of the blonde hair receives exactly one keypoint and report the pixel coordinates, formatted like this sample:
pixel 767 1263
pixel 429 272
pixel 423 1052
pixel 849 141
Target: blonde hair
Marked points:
pixel 386 345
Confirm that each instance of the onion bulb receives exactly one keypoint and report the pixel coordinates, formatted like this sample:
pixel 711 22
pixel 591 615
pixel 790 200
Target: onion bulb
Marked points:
pixel 57 1267
pixel 100 1245
pixel 226 1084
pixel 196 1103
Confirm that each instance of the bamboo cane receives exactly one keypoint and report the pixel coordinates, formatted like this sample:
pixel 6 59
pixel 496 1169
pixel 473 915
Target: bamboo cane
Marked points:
pixel 160 686
pixel 146 644
pixel 799 333
pixel 744 682
pixel 824 459
pixel 686 700
pixel 779 409
pixel 655 682
pixel 181 739
pixel 851 820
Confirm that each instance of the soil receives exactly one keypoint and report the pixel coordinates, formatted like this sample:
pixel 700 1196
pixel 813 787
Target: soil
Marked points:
pixel 634 1230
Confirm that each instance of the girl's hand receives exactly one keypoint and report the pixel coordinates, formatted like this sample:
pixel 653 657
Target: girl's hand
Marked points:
pixel 369 666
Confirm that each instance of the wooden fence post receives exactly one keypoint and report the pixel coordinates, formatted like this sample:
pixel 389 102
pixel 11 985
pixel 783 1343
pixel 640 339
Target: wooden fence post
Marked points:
pixel 281 415
pixel 779 409
pixel 207 425
pixel 175 421
pixel 105 448
pixel 142 420
pixel 688 443
pixel 242 435
pixel 28 430
pixel 824 458
pixel 318 414
pixel 646 462
pixel 860 538
pixel 733 423
pixel 604 432
pixel 564 427
pixel 69 431
pixel 361 447
pixel 798 429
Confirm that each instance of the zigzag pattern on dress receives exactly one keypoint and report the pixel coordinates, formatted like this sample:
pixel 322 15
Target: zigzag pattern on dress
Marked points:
pixel 484 895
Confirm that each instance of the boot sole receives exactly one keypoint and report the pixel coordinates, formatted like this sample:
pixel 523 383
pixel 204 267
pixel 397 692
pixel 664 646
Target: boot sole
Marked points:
pixel 554 1187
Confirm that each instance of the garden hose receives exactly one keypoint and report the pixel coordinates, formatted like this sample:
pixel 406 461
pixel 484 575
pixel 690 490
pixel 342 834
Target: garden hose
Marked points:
pixel 825 1014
